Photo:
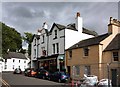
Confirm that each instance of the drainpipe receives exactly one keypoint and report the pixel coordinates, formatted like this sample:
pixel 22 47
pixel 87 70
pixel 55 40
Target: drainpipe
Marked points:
pixel 108 69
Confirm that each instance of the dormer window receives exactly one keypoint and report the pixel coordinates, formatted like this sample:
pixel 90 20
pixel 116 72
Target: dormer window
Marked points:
pixel 55 32
pixel 115 56
pixel 86 51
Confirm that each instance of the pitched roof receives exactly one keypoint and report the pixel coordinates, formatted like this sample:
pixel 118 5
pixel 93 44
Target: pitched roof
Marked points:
pixel 89 42
pixel 10 55
pixel 84 30
pixel 59 26
pixel 35 35
pixel 114 44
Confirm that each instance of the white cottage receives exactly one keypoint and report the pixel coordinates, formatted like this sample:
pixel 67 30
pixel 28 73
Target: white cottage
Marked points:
pixel 13 60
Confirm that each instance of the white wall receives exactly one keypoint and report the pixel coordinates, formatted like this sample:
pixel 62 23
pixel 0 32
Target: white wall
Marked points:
pixel 16 64
pixel 60 41
pixel 72 37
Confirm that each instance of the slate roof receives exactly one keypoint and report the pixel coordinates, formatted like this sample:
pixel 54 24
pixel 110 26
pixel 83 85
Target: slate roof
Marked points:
pixel 89 42
pixel 59 26
pixel 86 31
pixel 115 44
pixel 10 55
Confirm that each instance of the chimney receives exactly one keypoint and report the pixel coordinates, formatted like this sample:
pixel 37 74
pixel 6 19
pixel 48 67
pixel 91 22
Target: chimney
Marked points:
pixel 78 23
pixel 39 32
pixel 45 26
pixel 114 26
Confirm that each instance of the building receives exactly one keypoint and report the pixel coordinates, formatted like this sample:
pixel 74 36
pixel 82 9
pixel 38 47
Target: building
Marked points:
pixel 48 47
pixel 97 55
pixel 13 60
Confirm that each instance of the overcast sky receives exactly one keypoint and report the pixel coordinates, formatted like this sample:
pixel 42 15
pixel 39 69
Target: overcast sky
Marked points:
pixel 29 16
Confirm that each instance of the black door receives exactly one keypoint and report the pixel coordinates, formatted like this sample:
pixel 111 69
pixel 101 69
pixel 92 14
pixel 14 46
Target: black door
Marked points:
pixel 114 77
pixel 68 67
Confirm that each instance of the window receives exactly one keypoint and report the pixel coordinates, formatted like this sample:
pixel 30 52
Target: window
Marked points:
pixel 76 70
pixel 87 70
pixel 24 61
pixel 43 51
pixel 34 52
pixel 57 44
pixel 55 34
pixel 13 66
pixel 35 42
pixel 43 39
pixel 5 66
pixel 53 48
pixel 19 66
pixel 86 51
pixel 115 56
pixel 19 61
pixel 70 54
pixel 13 60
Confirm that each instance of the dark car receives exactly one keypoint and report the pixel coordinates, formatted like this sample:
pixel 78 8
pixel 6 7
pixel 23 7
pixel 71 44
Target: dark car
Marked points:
pixel 59 76
pixel 27 71
pixel 17 71
pixel 42 73
pixel 30 72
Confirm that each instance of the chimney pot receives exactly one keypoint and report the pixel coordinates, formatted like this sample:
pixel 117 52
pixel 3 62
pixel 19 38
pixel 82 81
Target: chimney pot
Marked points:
pixel 78 14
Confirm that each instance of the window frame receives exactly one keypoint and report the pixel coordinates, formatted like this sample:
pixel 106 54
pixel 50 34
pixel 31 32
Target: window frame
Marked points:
pixel 70 54
pixel 114 57
pixel 85 51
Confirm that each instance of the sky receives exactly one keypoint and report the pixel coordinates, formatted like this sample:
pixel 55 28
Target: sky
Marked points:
pixel 30 16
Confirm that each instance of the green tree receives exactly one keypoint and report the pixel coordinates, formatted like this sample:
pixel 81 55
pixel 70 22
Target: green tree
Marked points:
pixel 11 39
pixel 28 39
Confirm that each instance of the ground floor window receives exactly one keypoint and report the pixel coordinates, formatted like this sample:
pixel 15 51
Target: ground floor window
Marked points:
pixel 76 70
pixel 87 70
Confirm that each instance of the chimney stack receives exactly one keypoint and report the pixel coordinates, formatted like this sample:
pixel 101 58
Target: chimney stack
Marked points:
pixel 114 26
pixel 79 22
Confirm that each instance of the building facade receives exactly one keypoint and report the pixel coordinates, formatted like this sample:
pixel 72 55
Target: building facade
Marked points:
pixel 14 60
pixel 56 40
pixel 97 56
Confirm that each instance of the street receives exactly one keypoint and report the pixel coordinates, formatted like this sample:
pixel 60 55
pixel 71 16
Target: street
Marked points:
pixel 19 80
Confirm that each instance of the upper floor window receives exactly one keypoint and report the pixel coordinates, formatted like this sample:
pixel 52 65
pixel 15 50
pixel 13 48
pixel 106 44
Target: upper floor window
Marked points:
pixel 34 52
pixel 13 60
pixel 19 61
pixel 57 45
pixel 70 54
pixel 43 39
pixel 55 32
pixel 43 51
pixel 35 42
pixel 24 61
pixel 86 51
pixel 115 56
pixel 53 48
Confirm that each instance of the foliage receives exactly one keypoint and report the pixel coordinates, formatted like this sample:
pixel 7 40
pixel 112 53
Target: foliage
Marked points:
pixel 28 39
pixel 11 39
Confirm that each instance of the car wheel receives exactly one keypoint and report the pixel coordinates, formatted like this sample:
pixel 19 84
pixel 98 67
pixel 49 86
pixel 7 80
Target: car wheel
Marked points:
pixel 59 80
pixel 49 78
pixel 43 77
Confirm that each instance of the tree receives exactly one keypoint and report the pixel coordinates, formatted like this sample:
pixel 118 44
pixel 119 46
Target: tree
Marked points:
pixel 28 39
pixel 11 39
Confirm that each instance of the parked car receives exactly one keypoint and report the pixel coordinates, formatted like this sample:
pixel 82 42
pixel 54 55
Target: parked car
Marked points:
pixel 42 73
pixel 30 72
pixel 17 71
pixel 59 76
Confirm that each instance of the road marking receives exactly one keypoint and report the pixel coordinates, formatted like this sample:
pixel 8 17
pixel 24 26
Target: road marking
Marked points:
pixel 5 83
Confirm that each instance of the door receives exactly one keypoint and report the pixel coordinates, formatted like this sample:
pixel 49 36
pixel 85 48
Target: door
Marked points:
pixel 114 77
